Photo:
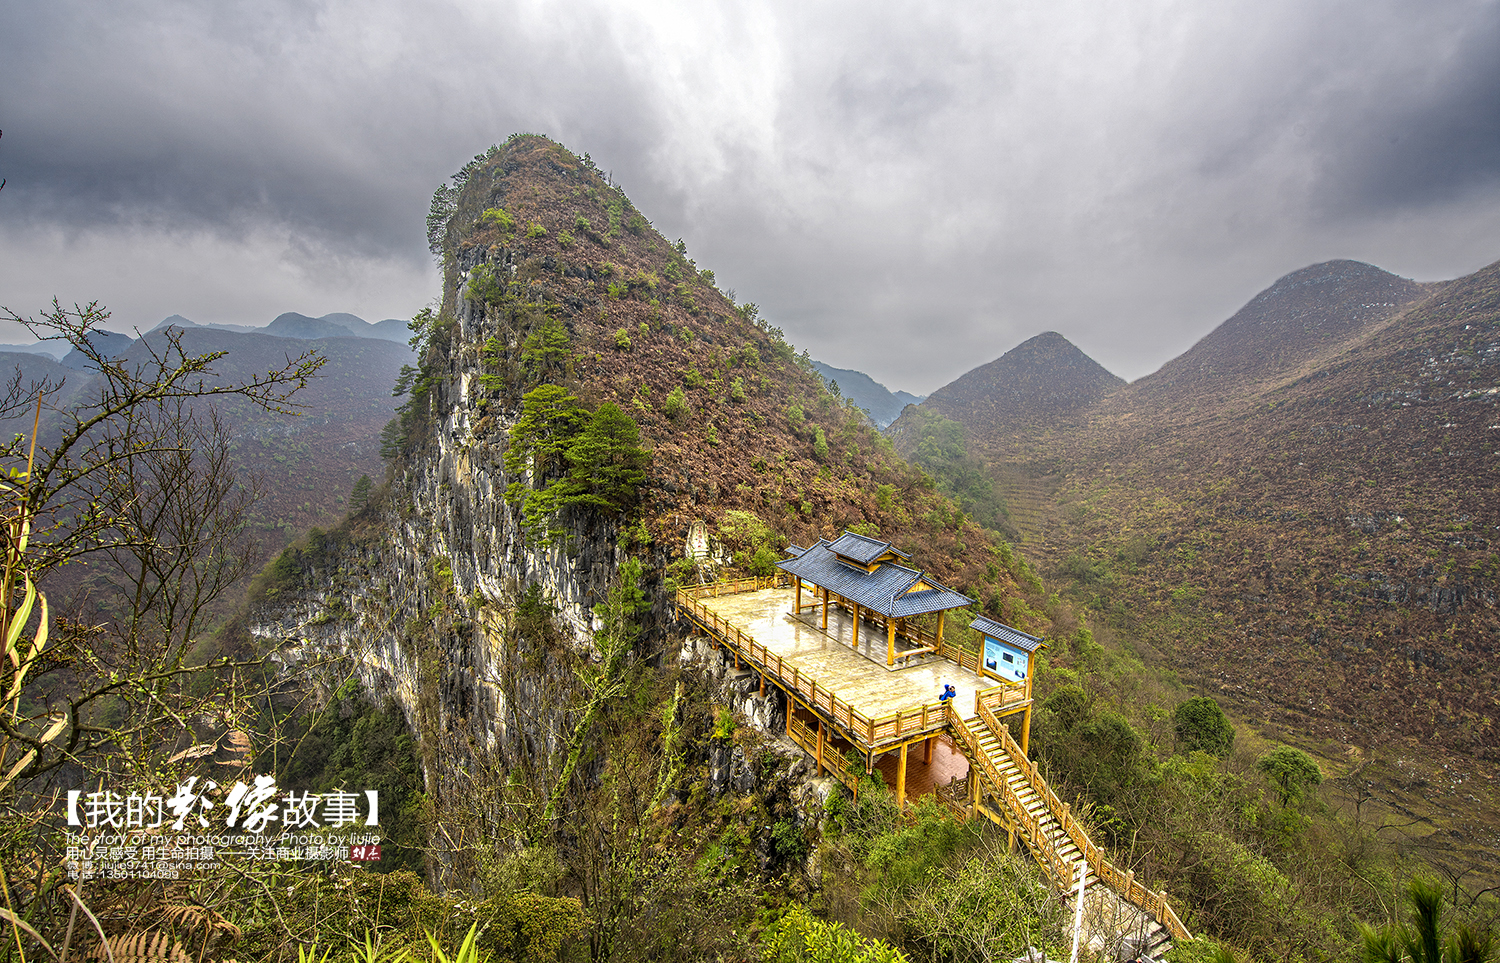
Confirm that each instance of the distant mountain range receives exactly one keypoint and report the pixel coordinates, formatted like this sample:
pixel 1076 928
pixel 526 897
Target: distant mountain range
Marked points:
pixel 309 462
pixel 288 325
pixel 879 402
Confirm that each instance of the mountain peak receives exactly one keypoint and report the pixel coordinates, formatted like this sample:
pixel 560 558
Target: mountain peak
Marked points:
pixel 1037 381
pixel 1300 318
pixel 1042 382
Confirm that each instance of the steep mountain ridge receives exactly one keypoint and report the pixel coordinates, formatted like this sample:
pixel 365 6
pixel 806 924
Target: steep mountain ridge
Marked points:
pixel 560 301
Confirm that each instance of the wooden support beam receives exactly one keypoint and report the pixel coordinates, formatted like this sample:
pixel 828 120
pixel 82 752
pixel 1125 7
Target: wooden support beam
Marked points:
pixel 940 628
pixel 927 750
pixel 798 609
pixel 762 685
pixel 825 609
pixel 820 747
pixel 1026 719
pixel 855 637
pixel 901 778
pixel 890 652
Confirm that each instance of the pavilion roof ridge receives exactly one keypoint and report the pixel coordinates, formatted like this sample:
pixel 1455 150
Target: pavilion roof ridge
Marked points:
pixel 885 588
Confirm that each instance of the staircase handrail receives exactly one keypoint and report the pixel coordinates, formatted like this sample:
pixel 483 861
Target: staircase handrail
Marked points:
pixel 1059 869
pixel 1125 884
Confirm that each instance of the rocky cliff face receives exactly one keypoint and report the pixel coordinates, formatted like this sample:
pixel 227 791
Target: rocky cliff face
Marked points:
pixel 438 595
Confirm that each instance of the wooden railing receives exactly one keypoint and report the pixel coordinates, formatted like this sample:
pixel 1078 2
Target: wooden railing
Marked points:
pixel 1002 699
pixel 1124 884
pixel 732 586
pixel 1053 863
pixel 870 733
pixel 834 762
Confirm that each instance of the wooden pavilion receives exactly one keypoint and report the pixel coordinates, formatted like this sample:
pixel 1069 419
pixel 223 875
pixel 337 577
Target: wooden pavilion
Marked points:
pixel 868 576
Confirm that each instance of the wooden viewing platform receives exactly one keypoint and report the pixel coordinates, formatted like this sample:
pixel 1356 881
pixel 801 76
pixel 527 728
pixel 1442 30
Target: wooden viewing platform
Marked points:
pixel 875 707
pixel 850 694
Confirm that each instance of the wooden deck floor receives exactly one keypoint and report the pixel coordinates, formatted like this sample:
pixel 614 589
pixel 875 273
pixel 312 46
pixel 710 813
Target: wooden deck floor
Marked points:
pixel 859 677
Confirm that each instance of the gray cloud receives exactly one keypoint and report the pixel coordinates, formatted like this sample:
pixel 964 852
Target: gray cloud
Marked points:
pixel 907 189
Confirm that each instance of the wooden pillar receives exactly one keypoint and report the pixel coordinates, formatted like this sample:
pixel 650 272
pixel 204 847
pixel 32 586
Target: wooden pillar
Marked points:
pixel 825 610
pixel 901 778
pixel 1026 717
pixel 941 613
pixel 927 750
pixel 820 747
pixel 855 637
pixel 973 792
pixel 798 609
pixel 890 652
pixel 762 685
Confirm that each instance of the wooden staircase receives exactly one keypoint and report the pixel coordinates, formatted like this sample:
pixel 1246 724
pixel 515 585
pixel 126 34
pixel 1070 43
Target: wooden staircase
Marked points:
pixel 1125 920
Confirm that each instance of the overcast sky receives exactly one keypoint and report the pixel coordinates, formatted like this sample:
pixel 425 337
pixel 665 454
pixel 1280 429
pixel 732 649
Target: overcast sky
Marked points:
pixel 910 189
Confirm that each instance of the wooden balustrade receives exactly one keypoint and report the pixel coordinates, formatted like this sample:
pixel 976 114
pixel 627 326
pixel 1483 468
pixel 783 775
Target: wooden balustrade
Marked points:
pixel 805 737
pixel 1123 883
pixel 1041 843
pixel 898 726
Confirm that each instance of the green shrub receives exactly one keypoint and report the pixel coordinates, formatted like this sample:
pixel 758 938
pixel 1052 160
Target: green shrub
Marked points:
pixel 675 406
pixel 485 285
pixel 564 240
pixel 820 444
pixel 581 224
pixel 800 937
pixel 1200 726
pixel 536 230
pixel 737 390
pixel 755 544
pixel 693 378
pixel 497 217
pixel 622 339
pixel 1292 772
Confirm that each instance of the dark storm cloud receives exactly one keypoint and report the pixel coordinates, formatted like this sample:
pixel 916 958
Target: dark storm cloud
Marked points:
pixel 907 189
pixel 1439 138
pixel 298 114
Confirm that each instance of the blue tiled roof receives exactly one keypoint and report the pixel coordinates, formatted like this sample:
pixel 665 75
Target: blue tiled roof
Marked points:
pixel 886 590
pixel 1008 635
pixel 861 548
